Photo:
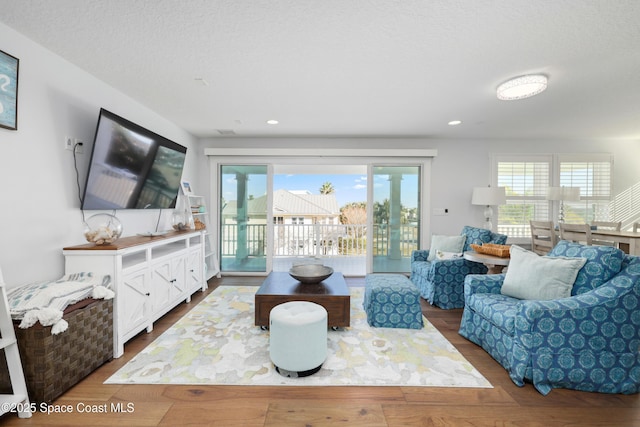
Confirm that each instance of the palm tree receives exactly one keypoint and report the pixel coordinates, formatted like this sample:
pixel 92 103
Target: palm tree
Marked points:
pixel 381 212
pixel 327 188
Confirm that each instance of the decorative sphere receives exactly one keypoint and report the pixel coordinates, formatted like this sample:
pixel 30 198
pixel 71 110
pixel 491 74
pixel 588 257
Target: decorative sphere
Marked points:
pixel 182 221
pixel 179 221
pixel 102 229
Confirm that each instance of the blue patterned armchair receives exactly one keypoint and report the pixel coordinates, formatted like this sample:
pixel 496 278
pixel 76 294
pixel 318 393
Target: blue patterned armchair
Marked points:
pixel 588 341
pixel 441 281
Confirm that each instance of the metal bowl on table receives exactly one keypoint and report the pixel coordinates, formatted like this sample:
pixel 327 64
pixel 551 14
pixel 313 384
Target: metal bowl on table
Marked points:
pixel 310 273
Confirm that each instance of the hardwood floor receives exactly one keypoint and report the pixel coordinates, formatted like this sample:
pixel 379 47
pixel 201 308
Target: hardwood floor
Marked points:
pixel 181 405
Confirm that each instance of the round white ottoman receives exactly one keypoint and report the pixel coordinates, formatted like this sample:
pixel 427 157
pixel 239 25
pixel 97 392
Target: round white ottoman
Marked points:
pixel 298 338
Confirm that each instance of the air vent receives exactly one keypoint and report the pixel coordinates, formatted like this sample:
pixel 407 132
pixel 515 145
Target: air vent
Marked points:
pixel 226 132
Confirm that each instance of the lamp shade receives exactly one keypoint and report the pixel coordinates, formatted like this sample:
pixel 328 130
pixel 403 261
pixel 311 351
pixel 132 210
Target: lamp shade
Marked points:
pixel 563 193
pixel 488 196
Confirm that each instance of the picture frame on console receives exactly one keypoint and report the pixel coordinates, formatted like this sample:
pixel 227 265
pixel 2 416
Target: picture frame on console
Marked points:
pixel 9 66
pixel 186 187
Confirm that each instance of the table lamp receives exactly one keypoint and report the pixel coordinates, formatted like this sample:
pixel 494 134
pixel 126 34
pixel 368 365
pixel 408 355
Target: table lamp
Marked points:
pixel 561 194
pixel 488 196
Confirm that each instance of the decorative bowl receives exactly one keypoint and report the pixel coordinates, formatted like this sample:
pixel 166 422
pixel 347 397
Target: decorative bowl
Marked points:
pixel 310 273
pixel 102 229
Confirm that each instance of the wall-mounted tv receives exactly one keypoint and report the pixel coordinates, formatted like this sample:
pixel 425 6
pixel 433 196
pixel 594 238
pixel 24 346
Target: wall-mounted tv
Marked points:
pixel 131 167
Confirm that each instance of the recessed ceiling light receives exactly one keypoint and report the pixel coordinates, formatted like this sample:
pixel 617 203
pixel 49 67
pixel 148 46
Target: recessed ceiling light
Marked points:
pixel 454 122
pixel 272 122
pixel 522 87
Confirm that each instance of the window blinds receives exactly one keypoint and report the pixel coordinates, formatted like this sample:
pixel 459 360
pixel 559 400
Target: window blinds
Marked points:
pixel 526 182
pixel 593 176
pixel 527 178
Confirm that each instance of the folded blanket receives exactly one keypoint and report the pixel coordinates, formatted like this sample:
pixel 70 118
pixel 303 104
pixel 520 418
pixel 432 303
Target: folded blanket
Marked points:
pixel 45 302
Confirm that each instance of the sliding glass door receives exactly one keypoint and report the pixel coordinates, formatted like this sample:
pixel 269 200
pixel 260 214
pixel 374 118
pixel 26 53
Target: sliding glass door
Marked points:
pixel 243 218
pixel 396 217
pixel 263 228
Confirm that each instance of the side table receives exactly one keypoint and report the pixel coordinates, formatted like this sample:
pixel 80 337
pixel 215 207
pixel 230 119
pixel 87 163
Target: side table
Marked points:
pixel 494 263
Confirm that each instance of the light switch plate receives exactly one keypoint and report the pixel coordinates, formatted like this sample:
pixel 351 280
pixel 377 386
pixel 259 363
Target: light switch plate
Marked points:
pixel 440 211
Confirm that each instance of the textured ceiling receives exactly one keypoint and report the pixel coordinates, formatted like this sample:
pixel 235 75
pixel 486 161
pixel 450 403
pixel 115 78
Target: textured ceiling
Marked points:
pixel 357 68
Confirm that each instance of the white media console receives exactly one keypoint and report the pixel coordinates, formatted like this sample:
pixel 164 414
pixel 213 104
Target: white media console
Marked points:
pixel 150 276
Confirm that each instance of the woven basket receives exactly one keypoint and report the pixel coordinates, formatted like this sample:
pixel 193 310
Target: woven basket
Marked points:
pixel 53 364
pixel 501 251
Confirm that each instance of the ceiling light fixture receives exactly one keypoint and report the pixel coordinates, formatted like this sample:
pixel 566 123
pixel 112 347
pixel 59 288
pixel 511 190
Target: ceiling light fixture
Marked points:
pixel 454 122
pixel 272 122
pixel 522 87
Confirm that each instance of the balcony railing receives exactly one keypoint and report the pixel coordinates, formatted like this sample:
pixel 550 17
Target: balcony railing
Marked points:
pixel 326 240
pixel 515 231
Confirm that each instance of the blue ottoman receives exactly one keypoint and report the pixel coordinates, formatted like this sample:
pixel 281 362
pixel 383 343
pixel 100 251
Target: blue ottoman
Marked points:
pixel 392 301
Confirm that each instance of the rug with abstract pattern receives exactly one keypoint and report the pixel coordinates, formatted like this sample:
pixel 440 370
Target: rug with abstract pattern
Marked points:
pixel 217 343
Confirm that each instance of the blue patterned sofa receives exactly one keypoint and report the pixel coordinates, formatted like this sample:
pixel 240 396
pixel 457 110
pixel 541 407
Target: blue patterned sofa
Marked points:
pixel 441 281
pixel 587 341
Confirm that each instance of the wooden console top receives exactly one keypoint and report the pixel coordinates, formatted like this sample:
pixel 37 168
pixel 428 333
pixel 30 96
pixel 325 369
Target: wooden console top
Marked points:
pixel 126 242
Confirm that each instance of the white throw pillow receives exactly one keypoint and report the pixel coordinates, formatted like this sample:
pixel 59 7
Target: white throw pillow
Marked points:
pixel 445 244
pixel 534 277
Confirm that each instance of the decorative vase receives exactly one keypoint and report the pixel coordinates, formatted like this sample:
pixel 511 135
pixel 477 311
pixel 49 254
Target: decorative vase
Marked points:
pixel 180 221
pixel 102 229
pixel 182 218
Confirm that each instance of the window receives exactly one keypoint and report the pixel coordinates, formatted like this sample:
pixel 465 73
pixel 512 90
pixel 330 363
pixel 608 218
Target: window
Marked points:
pixel 526 180
pixel 592 174
pixel 242 218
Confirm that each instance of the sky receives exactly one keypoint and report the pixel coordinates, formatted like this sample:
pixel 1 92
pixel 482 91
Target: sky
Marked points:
pixel 348 188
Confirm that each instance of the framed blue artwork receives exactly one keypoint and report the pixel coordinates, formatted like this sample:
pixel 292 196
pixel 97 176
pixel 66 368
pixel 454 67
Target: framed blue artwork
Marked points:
pixel 8 91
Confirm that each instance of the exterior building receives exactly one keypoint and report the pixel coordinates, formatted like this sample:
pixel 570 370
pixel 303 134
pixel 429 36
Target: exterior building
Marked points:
pixel 304 224
pixel 302 207
pixel 289 207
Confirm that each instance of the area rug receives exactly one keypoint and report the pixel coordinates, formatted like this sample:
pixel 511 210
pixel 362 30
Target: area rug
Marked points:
pixel 217 343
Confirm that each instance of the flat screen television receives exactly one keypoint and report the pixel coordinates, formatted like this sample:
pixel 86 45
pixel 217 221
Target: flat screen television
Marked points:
pixel 131 167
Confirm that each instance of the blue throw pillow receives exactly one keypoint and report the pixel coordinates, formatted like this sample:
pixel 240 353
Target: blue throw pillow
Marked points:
pixel 476 236
pixel 603 262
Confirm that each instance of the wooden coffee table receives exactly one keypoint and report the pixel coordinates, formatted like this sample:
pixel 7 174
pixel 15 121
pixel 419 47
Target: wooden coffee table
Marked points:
pixel 279 287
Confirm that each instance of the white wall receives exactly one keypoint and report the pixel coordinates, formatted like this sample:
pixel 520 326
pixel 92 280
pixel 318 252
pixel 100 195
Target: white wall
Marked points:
pixel 40 209
pixel 458 167
pixel 40 206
